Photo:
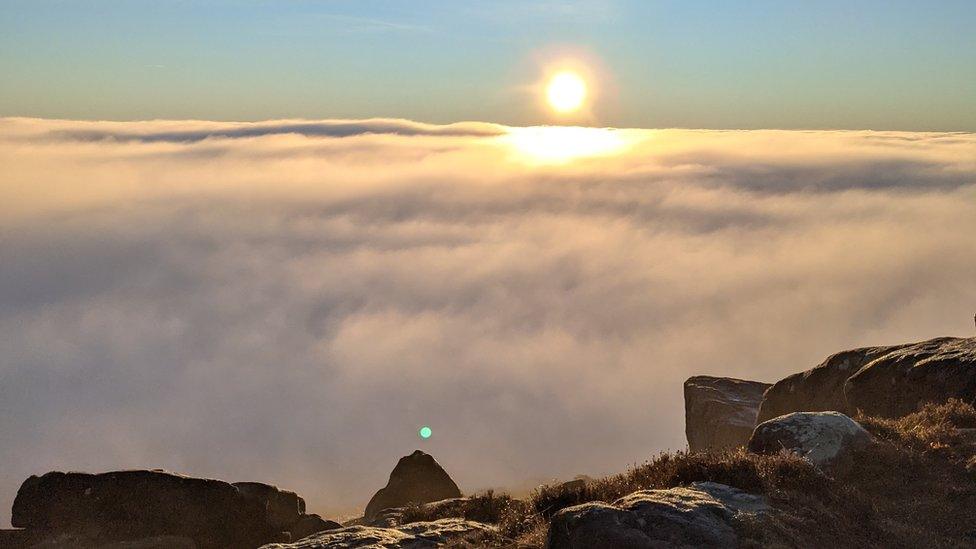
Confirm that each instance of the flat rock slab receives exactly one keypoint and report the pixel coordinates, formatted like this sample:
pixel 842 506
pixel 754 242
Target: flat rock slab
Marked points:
pixel 655 519
pixel 418 535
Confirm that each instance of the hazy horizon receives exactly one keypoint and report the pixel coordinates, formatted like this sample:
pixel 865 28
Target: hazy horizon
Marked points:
pixel 886 65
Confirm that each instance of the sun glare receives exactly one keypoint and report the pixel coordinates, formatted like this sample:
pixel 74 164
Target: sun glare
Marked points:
pixel 562 144
pixel 566 91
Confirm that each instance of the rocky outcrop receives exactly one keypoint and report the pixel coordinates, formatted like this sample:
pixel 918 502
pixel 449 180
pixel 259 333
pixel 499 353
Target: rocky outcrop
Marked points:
pixel 417 478
pixel 417 535
pixel 137 504
pixel 907 377
pixel 720 412
pixel 655 519
pixel 281 507
pixel 819 389
pixel 143 507
pixel 887 381
pixel 821 437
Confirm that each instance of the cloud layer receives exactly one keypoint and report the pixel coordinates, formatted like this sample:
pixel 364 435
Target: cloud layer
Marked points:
pixel 289 301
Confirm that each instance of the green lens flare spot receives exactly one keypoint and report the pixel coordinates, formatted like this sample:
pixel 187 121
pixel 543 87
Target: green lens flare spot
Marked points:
pixel 425 432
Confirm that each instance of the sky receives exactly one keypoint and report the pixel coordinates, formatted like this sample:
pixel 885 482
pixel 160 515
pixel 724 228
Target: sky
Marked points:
pixel 871 64
pixel 289 302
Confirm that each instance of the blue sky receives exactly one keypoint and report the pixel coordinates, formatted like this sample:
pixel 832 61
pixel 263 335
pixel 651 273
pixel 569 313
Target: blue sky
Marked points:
pixel 781 64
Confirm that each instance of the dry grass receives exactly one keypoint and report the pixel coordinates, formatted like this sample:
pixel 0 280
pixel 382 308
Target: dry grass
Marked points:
pixel 738 468
pixel 915 488
pixel 487 507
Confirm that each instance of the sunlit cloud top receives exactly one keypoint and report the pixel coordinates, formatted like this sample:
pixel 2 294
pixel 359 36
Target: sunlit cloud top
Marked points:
pixel 289 301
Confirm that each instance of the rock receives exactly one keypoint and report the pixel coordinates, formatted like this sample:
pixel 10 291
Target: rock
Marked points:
pixel 132 505
pixel 887 381
pixel 11 538
pixel 902 380
pixel 596 526
pixel 653 519
pixel 417 478
pixel 417 535
pixel 820 437
pixel 308 525
pixel 159 542
pixel 452 530
pixel 387 518
pixel 736 500
pixel 78 541
pixel 282 508
pixel 720 412
pixel 819 389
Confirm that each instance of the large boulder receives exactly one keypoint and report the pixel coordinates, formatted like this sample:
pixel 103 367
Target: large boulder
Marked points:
pixel 417 535
pixel 821 437
pixel 655 519
pixel 417 478
pixel 720 412
pixel 124 506
pixel 821 388
pixel 907 377
pixel 887 381
pixel 138 504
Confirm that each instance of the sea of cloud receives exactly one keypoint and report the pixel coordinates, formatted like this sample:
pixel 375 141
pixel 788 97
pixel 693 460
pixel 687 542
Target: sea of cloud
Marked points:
pixel 290 301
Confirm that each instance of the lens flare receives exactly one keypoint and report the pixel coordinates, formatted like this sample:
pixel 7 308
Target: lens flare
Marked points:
pixel 425 432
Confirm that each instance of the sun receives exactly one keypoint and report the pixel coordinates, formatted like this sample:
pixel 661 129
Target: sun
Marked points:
pixel 566 91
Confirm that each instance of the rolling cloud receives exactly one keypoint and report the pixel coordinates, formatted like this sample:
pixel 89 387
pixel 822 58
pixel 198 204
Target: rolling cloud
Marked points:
pixel 289 301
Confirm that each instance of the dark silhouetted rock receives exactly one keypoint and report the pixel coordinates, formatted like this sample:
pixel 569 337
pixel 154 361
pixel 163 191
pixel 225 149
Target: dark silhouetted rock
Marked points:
pixel 654 519
pixel 417 535
pixel 902 380
pixel 821 437
pixel 720 412
pixel 886 381
pixel 134 505
pixel 82 541
pixel 282 508
pixel 820 389
pixel 308 525
pixel 417 478
pixel 12 538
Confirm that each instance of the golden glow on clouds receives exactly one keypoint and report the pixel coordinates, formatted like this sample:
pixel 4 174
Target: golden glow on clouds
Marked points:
pixel 562 144
pixel 566 91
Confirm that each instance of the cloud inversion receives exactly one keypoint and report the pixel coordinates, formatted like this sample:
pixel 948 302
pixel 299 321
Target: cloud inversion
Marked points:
pixel 289 301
